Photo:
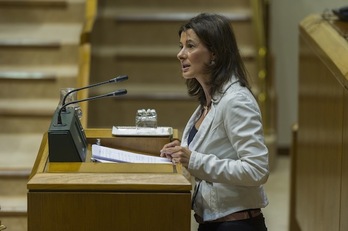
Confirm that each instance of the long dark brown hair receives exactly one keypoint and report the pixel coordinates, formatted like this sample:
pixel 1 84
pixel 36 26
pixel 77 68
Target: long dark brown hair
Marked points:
pixel 216 33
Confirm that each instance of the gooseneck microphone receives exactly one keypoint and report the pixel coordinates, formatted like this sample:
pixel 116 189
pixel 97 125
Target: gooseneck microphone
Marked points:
pixel 111 94
pixel 114 80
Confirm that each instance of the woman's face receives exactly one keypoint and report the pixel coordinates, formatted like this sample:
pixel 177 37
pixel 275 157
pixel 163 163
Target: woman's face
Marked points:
pixel 193 56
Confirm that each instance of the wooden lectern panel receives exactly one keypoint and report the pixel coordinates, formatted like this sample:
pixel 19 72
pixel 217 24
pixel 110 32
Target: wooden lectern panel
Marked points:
pixel 109 196
pixel 105 211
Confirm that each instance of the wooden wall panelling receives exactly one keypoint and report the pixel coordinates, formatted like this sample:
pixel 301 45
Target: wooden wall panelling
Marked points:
pixel 320 177
pixel 344 190
pixel 319 146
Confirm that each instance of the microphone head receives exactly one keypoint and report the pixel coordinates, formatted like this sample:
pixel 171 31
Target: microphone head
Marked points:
pixel 120 92
pixel 115 93
pixel 119 78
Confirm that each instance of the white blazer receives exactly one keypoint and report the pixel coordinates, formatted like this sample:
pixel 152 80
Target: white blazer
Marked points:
pixel 229 159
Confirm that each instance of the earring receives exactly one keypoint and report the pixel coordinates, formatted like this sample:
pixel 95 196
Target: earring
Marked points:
pixel 212 62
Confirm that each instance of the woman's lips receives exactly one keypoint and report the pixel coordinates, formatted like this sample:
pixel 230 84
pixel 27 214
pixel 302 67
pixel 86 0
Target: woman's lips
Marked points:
pixel 185 67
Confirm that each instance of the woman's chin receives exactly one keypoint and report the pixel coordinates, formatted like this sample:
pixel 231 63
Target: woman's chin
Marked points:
pixel 187 76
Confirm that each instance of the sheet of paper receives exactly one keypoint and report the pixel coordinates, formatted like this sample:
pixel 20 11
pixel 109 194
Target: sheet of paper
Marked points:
pixel 117 155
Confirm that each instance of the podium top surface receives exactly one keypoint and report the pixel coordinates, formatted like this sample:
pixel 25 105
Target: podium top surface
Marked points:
pixel 90 176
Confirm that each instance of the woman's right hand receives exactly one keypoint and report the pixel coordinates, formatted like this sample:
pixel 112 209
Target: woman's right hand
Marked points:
pixel 174 143
pixel 176 153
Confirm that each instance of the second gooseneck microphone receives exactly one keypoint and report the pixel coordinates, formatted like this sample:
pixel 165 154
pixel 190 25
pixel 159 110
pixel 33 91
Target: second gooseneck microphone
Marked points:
pixel 111 94
pixel 114 80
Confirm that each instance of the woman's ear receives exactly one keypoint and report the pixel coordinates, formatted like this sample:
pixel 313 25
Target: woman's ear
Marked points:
pixel 213 57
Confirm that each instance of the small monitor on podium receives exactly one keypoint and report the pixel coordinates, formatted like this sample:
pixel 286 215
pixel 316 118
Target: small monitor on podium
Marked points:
pixel 66 139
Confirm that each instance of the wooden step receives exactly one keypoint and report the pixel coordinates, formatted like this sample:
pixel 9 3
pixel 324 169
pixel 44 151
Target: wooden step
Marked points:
pixel 43 82
pixel 139 68
pixel 13 206
pixel 42 11
pixel 155 50
pixel 140 39
pixel 146 91
pixel 59 55
pixel 18 151
pixel 26 115
pixel 139 26
pixel 39 44
pixel 24 107
pixel 13 213
pixel 13 180
pixel 170 3
pixel 35 34
pixel 147 64
pixel 13 197
pixel 169 102
pixel 177 13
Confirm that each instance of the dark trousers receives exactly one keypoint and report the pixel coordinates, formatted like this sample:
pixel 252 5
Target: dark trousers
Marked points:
pixel 252 224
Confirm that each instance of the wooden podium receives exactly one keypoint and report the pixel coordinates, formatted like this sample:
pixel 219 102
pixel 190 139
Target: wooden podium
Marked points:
pixel 108 196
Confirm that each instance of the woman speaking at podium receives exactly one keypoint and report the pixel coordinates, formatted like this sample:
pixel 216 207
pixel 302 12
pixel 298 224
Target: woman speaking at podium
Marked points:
pixel 223 143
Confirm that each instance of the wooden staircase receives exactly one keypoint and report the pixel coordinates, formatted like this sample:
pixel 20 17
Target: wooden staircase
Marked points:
pixel 44 47
pixel 140 39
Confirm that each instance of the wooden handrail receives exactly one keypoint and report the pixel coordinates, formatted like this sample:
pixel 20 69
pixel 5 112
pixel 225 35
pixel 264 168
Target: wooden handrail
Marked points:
pixel 261 45
pixel 90 16
pixel 85 56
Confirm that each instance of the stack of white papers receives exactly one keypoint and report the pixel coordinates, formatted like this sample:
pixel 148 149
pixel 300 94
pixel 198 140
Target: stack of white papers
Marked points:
pixel 106 154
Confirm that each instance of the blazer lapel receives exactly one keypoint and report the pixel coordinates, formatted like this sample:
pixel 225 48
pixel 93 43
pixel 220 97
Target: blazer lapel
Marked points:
pixel 203 129
pixel 207 122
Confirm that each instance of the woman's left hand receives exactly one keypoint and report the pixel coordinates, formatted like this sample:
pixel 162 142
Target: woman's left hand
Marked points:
pixel 177 154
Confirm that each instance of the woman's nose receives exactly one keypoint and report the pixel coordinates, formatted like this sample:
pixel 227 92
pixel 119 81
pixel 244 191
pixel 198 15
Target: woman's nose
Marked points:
pixel 181 54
